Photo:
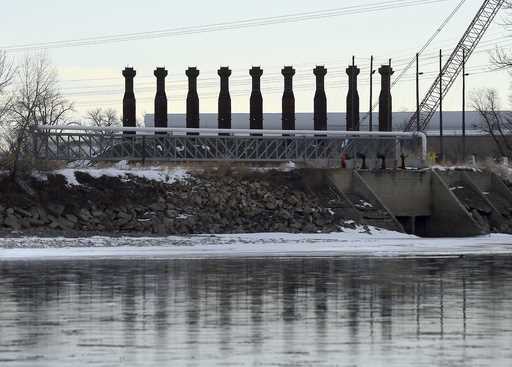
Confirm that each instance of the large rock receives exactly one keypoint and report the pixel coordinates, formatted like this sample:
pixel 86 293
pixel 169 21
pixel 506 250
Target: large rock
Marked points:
pixel 56 209
pixel 209 203
pixel 22 212
pixel 12 222
pixel 85 215
pixel 71 218
pixel 60 223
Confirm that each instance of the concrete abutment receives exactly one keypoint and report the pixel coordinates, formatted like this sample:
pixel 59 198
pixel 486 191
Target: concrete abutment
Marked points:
pixel 428 203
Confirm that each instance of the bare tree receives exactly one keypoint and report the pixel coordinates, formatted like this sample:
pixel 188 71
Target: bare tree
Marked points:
pixel 103 117
pixel 35 101
pixel 496 123
pixel 38 100
pixel 53 109
pixel 6 99
pixel 6 77
pixel 501 58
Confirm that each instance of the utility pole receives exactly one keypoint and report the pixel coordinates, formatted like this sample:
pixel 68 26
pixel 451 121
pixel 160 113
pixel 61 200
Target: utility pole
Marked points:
pixel 371 94
pixel 441 142
pixel 418 91
pixel 464 104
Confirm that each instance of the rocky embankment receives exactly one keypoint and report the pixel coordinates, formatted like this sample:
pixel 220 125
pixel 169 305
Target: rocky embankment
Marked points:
pixel 201 203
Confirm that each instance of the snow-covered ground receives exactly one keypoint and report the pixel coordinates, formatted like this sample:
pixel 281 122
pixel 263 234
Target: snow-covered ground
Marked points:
pixel 121 170
pixel 124 170
pixel 349 243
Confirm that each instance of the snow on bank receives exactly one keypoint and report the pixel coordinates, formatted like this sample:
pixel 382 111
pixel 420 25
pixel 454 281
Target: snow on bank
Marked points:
pixel 123 171
pixel 350 243
pixel 456 168
pixel 284 167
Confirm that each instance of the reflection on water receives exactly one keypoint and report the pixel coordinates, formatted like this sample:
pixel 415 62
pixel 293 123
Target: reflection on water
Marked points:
pixel 257 312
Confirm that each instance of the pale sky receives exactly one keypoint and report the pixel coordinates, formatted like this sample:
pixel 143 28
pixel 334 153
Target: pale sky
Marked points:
pixel 91 75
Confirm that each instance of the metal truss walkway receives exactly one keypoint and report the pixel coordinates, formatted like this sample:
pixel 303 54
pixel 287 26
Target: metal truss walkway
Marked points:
pixel 97 144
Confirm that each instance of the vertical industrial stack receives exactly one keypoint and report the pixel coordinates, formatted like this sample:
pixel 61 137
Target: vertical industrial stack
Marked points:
pixel 288 102
pixel 256 99
pixel 192 100
pixel 385 99
pixel 224 116
pixel 256 102
pixel 160 99
pixel 320 102
pixel 352 99
pixel 129 103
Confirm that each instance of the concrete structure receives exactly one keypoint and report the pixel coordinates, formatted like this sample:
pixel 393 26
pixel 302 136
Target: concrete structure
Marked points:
pixel 385 99
pixel 161 115
pixel 192 117
pixel 288 103
pixel 129 102
pixel 352 99
pixel 420 201
pixel 224 117
pixel 256 102
pixel 320 101
pixel 430 202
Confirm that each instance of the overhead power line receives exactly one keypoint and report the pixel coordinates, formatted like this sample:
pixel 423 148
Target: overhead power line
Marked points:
pixel 215 27
pixel 398 61
pixel 455 63
pixel 423 48
pixel 429 41
pixel 211 83
pixel 234 94
pixel 240 90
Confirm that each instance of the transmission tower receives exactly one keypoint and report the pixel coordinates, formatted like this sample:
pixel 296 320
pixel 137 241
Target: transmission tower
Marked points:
pixel 453 66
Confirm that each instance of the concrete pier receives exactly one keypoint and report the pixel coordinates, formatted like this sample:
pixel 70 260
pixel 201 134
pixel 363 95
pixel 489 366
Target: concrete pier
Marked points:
pixel 385 99
pixel 129 102
pixel 256 102
pixel 288 102
pixel 352 99
pixel 160 98
pixel 320 101
pixel 224 117
pixel 192 99
pixel 428 203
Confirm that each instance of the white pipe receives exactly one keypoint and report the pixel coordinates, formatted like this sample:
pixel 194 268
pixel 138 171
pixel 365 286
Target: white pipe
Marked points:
pixel 424 147
pixel 228 131
pixel 215 132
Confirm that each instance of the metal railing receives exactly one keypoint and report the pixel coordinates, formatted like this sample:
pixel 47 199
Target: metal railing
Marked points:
pixel 179 144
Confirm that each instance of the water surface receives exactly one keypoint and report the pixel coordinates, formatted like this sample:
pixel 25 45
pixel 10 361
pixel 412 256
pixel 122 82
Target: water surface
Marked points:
pixel 257 312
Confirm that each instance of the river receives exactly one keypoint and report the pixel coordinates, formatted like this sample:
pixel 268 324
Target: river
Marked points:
pixel 354 311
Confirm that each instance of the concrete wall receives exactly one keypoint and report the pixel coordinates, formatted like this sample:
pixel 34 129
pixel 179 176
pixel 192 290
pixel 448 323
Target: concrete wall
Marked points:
pixel 405 193
pixel 341 178
pixel 421 200
pixel 490 183
pixel 499 186
pixel 497 195
pixel 449 217
pixel 480 180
